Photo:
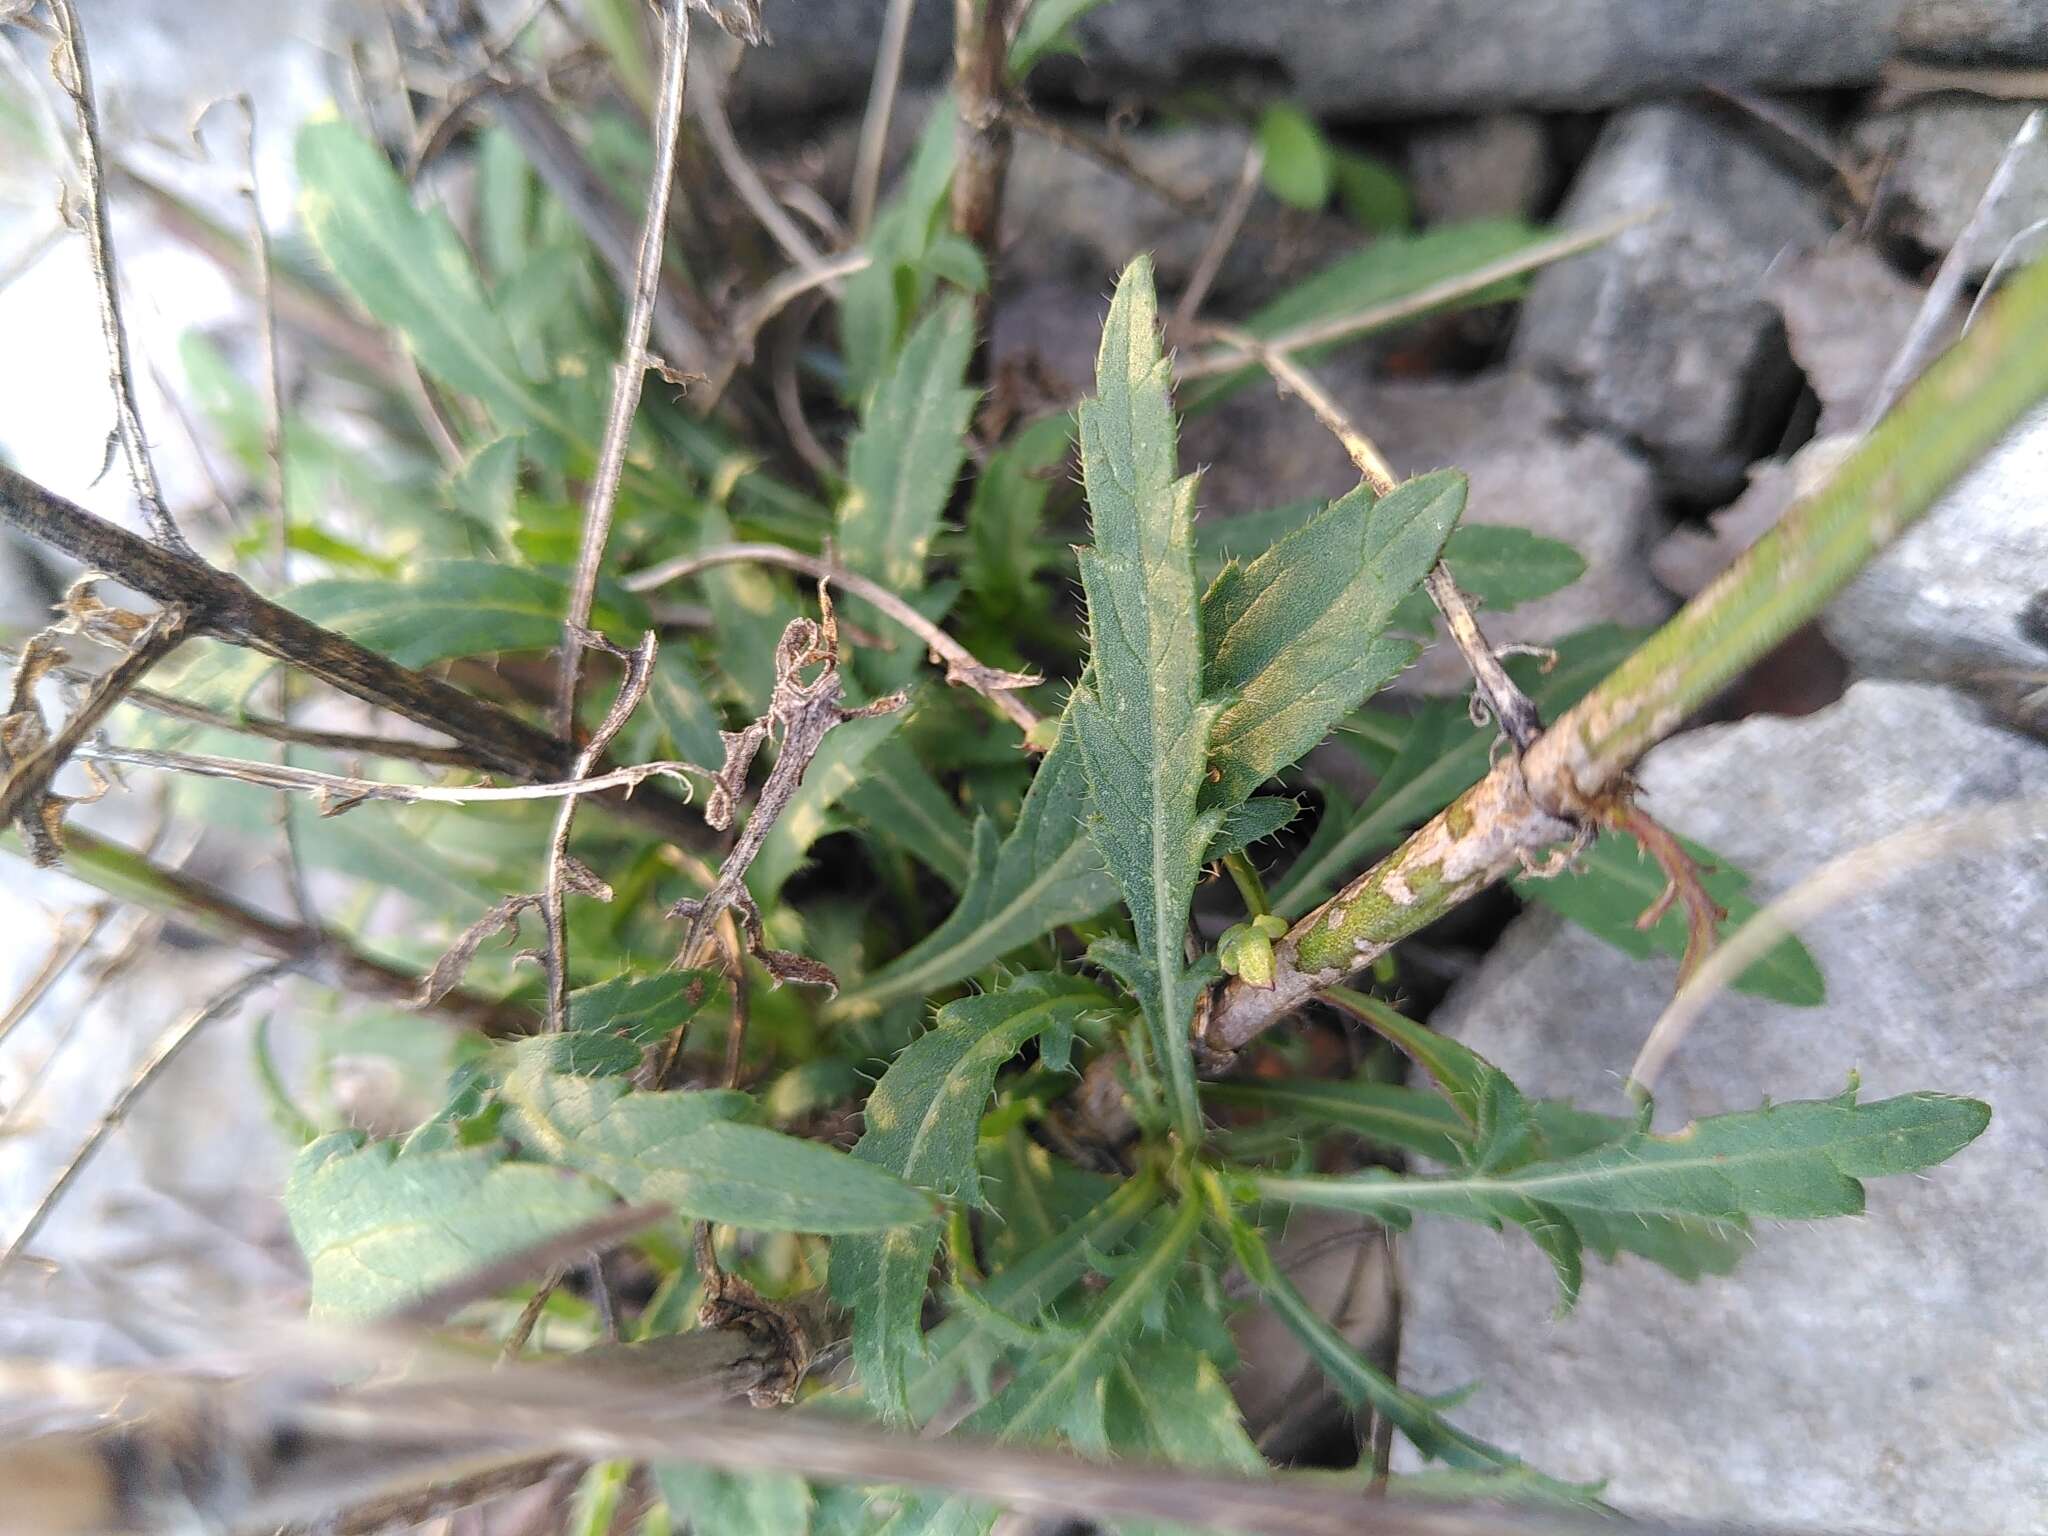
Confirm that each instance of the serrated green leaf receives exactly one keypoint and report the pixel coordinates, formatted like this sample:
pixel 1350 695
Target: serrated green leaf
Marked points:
pixel 1024 1287
pixel 1786 1162
pixel 1062 1393
pixel 1256 820
pixel 922 1121
pixel 1299 167
pixel 1501 1130
pixel 1614 882
pixel 1296 640
pixel 685 1150
pixel 642 1008
pixel 380 1229
pixel 1168 1403
pixel 410 271
pixel 1442 755
pixel 1140 713
pixel 1501 1125
pixel 912 441
pixel 1505 567
pixel 714 1503
pixel 1044 875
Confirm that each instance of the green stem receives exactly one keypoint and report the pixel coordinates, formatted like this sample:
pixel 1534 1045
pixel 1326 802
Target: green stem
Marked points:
pixel 1963 405
pixel 1250 887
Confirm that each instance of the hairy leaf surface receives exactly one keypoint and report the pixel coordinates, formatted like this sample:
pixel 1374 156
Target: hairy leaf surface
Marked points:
pixel 1046 873
pixel 1140 714
pixel 1786 1162
pixel 922 1121
pixel 380 1228
pixel 1296 639
pixel 686 1150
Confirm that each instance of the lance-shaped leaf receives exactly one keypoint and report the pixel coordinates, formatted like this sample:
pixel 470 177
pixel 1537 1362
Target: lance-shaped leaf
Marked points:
pixel 1615 882
pixel 922 1122
pixel 965 1344
pixel 1296 639
pixel 1502 1130
pixel 686 1150
pixel 1060 1392
pixel 380 1228
pixel 1042 876
pixel 912 438
pixel 1359 1382
pixel 1499 569
pixel 1785 1162
pixel 411 272
pixel 1140 714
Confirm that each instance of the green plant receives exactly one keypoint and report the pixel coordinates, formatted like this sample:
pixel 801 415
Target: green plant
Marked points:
pixel 1035 1235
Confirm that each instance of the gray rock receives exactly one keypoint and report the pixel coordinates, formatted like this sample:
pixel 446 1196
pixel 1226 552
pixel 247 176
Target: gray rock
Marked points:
pixel 1068 218
pixel 1508 431
pixel 1975 31
pixel 1690 557
pixel 1496 166
pixel 1947 600
pixel 1882 1374
pixel 1846 313
pixel 1417 58
pixel 1410 58
pixel 1939 154
pixel 821 56
pixel 1663 334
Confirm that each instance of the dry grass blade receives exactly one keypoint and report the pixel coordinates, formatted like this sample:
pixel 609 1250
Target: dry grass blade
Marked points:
pixel 1849 876
pixel 74 78
pixel 1228 359
pixel 874 127
pixel 564 873
pixel 1951 275
pixel 161 1055
pixel 32 754
pixel 339 792
pixel 631 369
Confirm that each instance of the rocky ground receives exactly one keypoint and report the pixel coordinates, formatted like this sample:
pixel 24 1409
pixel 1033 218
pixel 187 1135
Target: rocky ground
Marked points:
pixel 1656 403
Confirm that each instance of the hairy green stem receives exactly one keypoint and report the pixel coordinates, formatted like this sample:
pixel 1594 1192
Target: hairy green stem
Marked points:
pixel 1963 405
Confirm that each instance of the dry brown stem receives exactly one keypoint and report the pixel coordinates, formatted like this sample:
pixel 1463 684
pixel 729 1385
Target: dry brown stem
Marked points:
pixel 634 361
pixel 224 607
pixel 74 77
pixel 801 712
pixel 962 668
